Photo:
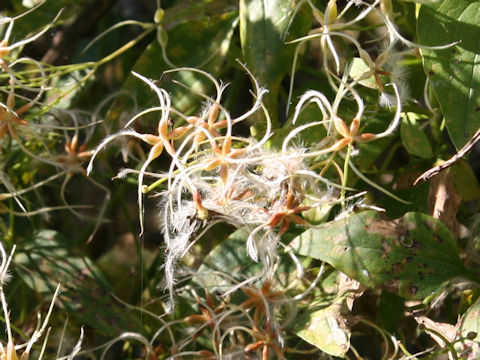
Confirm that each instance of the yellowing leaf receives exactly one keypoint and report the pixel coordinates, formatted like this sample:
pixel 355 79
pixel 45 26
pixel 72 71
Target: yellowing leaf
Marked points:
pixel 360 71
pixel 326 329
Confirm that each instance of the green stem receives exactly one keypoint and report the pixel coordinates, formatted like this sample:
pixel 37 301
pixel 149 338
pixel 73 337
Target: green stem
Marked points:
pixel 345 175
pixel 154 185
pixel 389 157
pixel 11 223
pixel 405 351
pixel 53 72
pixel 127 46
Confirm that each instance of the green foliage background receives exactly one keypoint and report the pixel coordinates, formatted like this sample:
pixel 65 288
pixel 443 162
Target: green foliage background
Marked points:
pixel 415 264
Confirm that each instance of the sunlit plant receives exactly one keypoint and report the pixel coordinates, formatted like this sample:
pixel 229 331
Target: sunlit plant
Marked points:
pixel 274 173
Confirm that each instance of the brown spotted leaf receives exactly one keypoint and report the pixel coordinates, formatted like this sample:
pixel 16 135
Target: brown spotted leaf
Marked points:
pixel 468 329
pixel 437 330
pixel 412 256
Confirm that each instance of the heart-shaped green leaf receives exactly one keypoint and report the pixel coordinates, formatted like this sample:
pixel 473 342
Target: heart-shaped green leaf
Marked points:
pixel 412 256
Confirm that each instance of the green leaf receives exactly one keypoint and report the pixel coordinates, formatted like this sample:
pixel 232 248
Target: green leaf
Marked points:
pixel 46 261
pixel 66 89
pixel 200 42
pixel 326 329
pixel 186 11
pixel 33 22
pixel 413 138
pixel 265 26
pixel 454 72
pixel 230 258
pixel 204 41
pixel 391 310
pixel 470 331
pixel 412 256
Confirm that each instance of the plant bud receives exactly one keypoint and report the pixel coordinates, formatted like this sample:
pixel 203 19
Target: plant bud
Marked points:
pixel 159 14
pixel 386 7
pixel 331 12
pixel 162 37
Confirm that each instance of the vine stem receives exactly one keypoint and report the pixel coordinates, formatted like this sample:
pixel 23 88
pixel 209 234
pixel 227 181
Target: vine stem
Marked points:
pixel 345 175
